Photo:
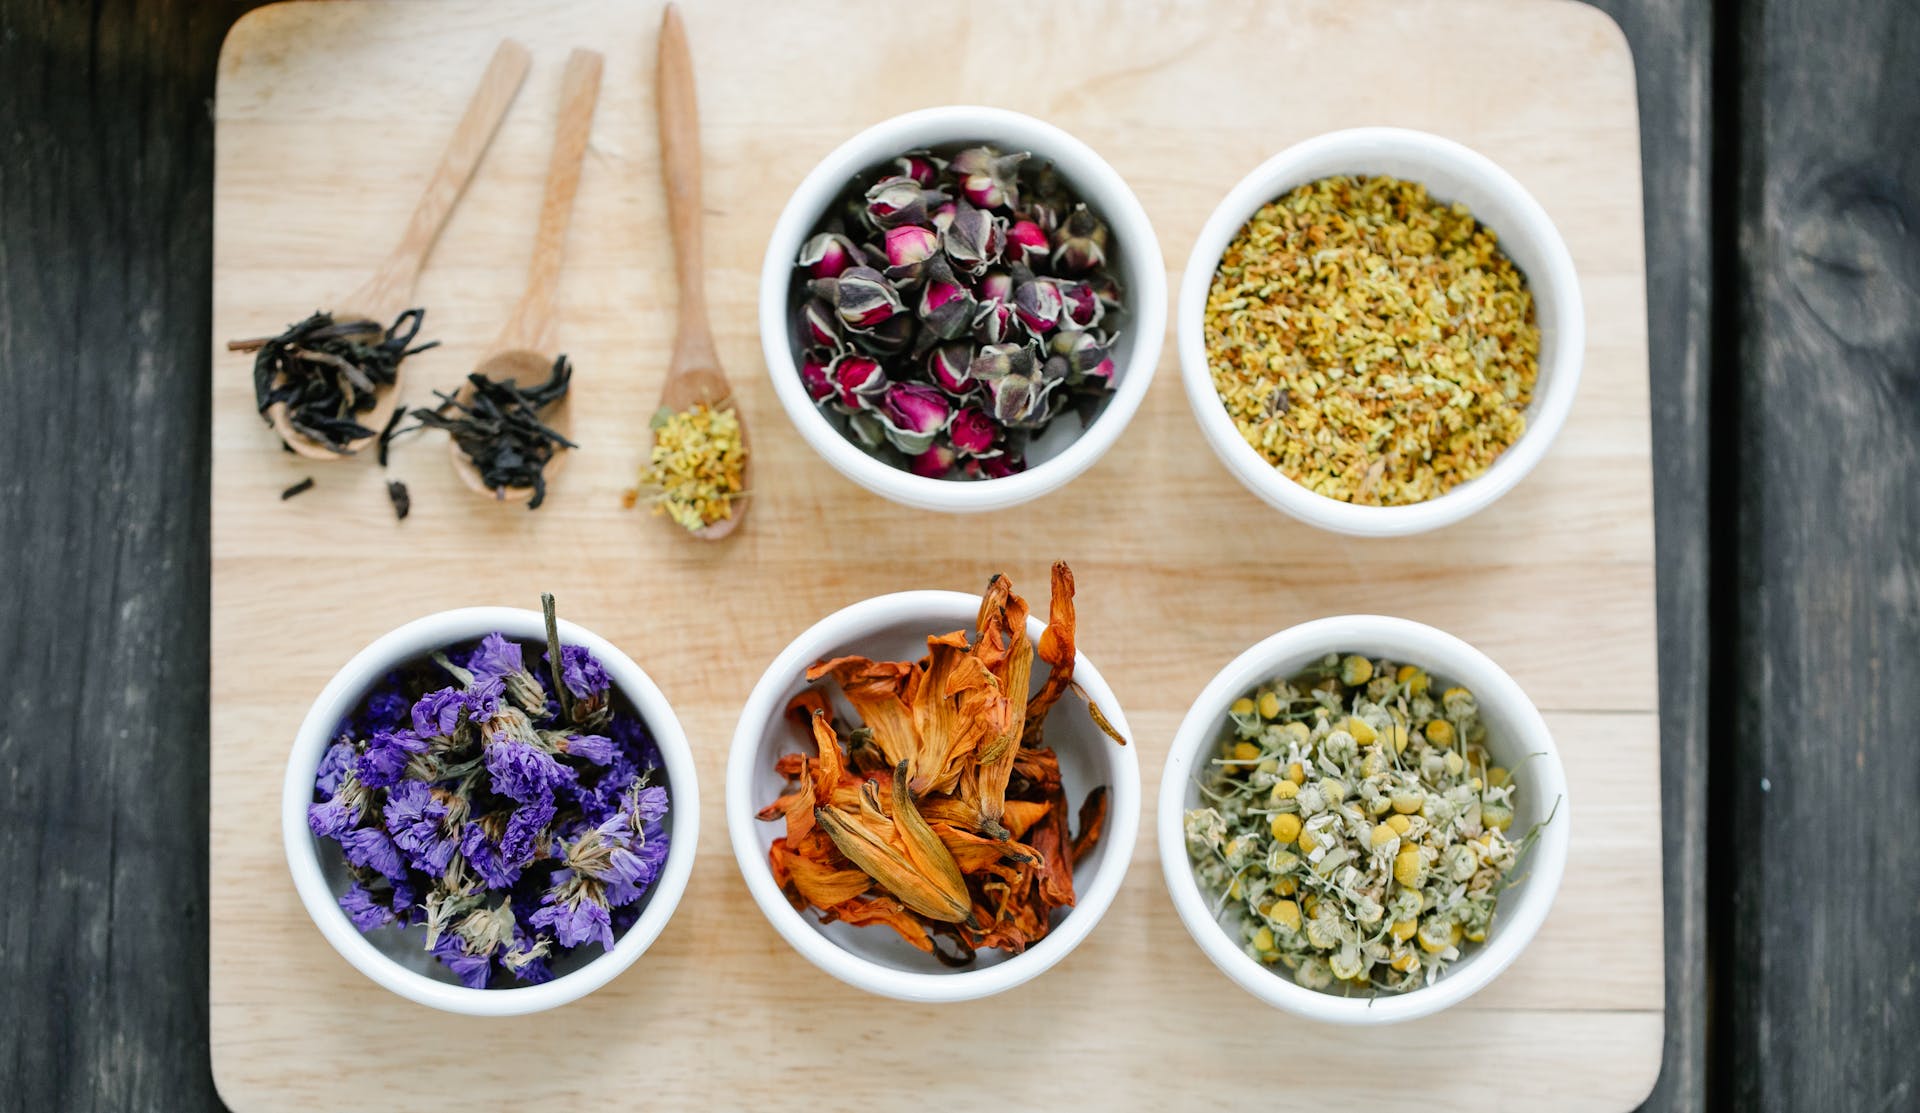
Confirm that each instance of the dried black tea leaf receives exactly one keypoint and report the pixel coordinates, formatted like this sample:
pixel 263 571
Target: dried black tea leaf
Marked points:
pixel 497 425
pixel 299 488
pixel 328 372
pixel 402 502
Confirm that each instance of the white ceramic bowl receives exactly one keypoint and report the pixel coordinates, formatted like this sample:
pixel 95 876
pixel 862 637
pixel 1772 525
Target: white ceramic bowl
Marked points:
pixel 876 959
pixel 397 960
pixel 1451 172
pixel 1515 731
pixel 1065 450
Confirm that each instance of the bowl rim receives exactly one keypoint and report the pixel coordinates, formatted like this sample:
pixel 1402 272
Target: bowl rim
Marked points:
pixel 766 703
pixel 349 684
pixel 1119 207
pixel 1557 280
pixel 1521 912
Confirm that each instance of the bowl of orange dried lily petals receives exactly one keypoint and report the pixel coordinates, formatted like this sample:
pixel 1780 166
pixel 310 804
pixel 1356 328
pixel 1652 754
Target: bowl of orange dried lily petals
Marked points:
pixel 931 794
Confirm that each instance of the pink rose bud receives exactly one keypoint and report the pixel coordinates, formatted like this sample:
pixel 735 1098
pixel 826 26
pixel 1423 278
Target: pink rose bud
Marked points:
pixel 999 467
pixel 988 178
pixel 814 374
pixel 947 365
pixel 993 322
pixel 910 243
pixel 861 297
pixel 1084 354
pixel 975 239
pixel 995 286
pixel 857 380
pixel 973 432
pixel 821 324
pixel 1038 304
pixel 828 254
pixel 935 463
pixel 1081 307
pixel 945 305
pixel 899 200
pixel 1026 242
pixel 1080 243
pixel 914 414
pixel 943 216
pixel 922 167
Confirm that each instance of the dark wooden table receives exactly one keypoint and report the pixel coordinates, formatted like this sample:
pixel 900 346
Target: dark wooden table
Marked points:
pixel 1783 235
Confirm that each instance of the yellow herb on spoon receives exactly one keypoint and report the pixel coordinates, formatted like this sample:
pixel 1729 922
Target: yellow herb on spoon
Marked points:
pixel 698 466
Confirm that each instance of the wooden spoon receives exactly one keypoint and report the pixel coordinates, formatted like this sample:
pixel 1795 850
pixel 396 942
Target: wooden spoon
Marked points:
pixel 520 351
pixel 694 376
pixel 390 291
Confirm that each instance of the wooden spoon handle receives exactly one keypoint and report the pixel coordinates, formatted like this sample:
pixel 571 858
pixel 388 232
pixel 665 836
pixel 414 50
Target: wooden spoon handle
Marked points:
pixel 391 287
pixel 679 111
pixel 532 319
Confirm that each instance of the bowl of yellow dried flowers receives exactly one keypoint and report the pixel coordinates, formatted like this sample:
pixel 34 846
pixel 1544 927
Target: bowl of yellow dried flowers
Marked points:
pixel 931 795
pixel 961 308
pixel 1363 820
pixel 1380 331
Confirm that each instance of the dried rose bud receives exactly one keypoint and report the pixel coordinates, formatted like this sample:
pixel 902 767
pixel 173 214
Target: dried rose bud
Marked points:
pixel 1080 243
pixel 975 239
pixel 1020 401
pixel 828 254
pixel 857 380
pixel 900 200
pixel 867 428
pixel 1037 302
pixel 988 178
pixel 997 467
pixel 911 243
pixel 973 432
pixel 995 286
pixel 1026 242
pixel 822 324
pixel 889 336
pixel 947 366
pixel 914 414
pixel 1105 287
pixel 861 296
pixel 935 463
pixel 946 306
pixel 921 166
pixel 813 372
pixel 943 215
pixel 1080 306
pixel 1083 354
pixel 993 322
pixel 997 361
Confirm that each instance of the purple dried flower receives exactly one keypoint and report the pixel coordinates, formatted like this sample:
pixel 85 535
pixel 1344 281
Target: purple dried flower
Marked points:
pixel 650 804
pixel 973 432
pixel 914 414
pixel 473 970
pixel 523 773
pixel 335 764
pixel 370 848
pixel 327 820
pixel 361 907
pixel 415 818
pixel 486 859
pixel 828 254
pixel 483 699
pixel 575 917
pixel 582 672
pixel 496 658
pixel 592 747
pixel 386 709
pixel 385 759
pixel 438 713
pixel 521 840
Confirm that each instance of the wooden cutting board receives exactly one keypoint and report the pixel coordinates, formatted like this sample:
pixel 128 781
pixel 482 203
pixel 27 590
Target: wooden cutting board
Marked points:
pixel 328 119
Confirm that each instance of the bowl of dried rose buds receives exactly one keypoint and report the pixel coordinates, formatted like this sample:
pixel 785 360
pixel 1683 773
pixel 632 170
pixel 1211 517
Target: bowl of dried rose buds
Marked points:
pixel 1363 820
pixel 1380 331
pixel 961 308
pixel 490 811
pixel 932 795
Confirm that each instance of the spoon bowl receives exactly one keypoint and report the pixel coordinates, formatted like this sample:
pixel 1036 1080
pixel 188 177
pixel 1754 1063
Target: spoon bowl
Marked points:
pixel 522 366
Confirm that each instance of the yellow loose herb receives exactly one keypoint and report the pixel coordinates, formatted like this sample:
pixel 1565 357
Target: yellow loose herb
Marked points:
pixel 698 465
pixel 1372 343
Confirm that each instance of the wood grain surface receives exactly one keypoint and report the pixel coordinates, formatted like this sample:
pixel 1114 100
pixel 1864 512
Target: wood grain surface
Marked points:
pixel 1179 567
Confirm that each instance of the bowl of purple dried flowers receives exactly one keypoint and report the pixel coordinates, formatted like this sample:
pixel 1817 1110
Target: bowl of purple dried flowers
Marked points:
pixel 961 308
pixel 490 811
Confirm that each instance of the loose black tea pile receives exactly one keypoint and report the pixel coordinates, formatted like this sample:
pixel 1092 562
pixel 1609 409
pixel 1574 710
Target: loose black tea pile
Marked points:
pixel 498 426
pixel 327 373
